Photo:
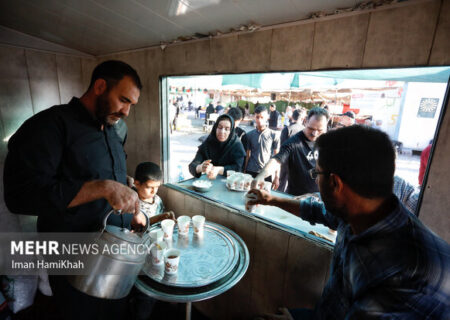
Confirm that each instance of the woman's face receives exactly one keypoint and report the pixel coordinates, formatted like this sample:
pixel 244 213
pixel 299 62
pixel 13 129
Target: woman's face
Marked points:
pixel 223 130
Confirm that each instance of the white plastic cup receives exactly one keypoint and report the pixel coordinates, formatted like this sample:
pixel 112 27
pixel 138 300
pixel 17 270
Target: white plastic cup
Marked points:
pixel 231 181
pixel 183 225
pixel 247 182
pixel 267 186
pixel 171 261
pixel 240 183
pixel 199 224
pixel 167 227
pixel 157 250
pixel 156 235
pixel 230 173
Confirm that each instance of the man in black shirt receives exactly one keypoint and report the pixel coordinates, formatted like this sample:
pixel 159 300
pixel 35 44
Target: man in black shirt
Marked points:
pixel 298 152
pixel 67 165
pixel 209 110
pixel 274 117
pixel 295 127
pixel 237 115
pixel 219 108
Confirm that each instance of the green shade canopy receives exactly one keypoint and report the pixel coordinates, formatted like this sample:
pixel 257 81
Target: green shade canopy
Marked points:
pixel 335 78
pixel 426 74
pixel 277 81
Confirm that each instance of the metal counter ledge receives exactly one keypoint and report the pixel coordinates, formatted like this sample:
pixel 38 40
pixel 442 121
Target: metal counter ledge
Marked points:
pixel 273 216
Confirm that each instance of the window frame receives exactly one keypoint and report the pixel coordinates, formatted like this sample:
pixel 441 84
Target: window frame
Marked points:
pixel 165 151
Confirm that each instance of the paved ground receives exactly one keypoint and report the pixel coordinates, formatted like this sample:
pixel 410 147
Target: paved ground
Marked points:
pixel 185 141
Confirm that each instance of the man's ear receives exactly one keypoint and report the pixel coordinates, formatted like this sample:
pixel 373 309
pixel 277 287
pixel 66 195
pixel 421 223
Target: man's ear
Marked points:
pixel 336 182
pixel 100 86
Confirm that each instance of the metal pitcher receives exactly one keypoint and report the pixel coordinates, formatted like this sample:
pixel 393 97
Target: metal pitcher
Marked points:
pixel 125 267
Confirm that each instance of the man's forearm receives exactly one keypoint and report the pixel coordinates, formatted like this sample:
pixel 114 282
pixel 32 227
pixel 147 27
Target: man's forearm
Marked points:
pixel 270 168
pixel 289 205
pixel 91 191
pixel 246 161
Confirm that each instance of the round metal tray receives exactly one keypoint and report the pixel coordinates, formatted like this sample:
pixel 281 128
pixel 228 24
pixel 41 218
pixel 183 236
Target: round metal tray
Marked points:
pixel 203 260
pixel 183 295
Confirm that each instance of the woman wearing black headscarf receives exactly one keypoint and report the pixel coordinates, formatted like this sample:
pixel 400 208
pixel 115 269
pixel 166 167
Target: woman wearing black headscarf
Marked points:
pixel 221 151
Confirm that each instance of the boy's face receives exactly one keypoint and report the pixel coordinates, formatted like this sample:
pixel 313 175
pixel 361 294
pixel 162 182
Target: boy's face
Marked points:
pixel 147 190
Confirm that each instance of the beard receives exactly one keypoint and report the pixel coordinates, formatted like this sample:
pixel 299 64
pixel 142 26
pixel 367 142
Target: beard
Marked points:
pixel 330 201
pixel 103 111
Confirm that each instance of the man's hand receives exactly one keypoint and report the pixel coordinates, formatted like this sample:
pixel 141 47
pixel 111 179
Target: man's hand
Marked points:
pixel 258 182
pixel 138 222
pixel 275 183
pixel 256 196
pixel 120 197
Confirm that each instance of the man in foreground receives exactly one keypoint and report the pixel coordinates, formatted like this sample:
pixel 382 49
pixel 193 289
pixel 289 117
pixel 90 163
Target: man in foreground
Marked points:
pixel 386 263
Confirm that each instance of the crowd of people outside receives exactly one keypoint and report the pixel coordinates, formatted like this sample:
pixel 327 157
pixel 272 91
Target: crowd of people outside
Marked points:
pixel 283 124
pixel 281 147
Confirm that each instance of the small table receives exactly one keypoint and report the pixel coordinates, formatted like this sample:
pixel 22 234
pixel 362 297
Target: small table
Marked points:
pixel 160 288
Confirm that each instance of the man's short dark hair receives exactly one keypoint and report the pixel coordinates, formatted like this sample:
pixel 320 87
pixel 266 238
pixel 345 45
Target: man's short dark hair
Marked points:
pixel 295 115
pixel 235 113
pixel 362 157
pixel 112 71
pixel 148 171
pixel 318 112
pixel 260 109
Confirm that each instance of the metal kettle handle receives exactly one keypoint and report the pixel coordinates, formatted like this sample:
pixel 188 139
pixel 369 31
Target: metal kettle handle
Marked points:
pixel 118 212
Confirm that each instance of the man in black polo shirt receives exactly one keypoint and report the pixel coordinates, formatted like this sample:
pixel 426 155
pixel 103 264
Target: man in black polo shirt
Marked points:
pixel 295 127
pixel 298 153
pixel 67 165
pixel 237 115
pixel 274 116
